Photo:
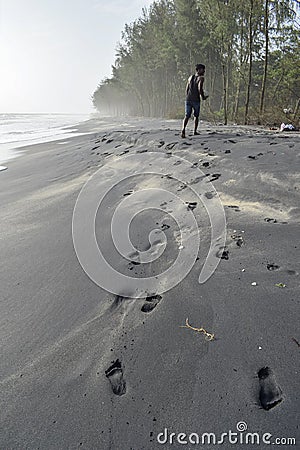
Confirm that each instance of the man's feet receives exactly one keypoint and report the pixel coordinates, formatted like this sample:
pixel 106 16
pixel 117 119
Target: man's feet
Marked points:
pixel 196 133
pixel 183 134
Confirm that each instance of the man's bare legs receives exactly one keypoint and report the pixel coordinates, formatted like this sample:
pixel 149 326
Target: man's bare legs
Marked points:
pixel 196 125
pixel 185 122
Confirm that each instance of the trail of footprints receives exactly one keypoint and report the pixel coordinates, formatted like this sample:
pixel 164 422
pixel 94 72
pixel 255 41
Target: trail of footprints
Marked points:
pixel 269 392
pixel 115 372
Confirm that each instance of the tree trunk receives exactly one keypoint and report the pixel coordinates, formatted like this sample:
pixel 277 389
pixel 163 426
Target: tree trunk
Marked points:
pixel 277 87
pixel 228 77
pixel 263 87
pixel 296 108
pixel 224 92
pixel 238 89
pixel 212 88
pixel 250 63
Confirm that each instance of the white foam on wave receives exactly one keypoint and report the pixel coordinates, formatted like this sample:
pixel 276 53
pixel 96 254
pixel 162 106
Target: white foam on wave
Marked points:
pixel 20 130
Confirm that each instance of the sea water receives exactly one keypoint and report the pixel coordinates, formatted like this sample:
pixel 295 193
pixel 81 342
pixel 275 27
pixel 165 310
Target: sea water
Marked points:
pixel 19 130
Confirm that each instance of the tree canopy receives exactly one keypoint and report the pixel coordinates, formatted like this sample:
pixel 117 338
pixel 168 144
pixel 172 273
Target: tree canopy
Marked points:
pixel 250 49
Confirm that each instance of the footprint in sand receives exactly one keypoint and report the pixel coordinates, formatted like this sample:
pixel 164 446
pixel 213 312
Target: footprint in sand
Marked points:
pixel 270 393
pixel 272 267
pixel 171 145
pixel 151 303
pixel 215 176
pixel 223 253
pixel 210 195
pixel 133 264
pixel 291 272
pixel 191 205
pixel 238 239
pixel 256 156
pixel 115 375
pixel 118 301
pixel 123 153
pixel 234 207
pixel 196 180
pixel 134 259
pixel 128 193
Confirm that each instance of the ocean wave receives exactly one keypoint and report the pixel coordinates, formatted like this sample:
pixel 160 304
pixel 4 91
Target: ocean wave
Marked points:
pixel 16 128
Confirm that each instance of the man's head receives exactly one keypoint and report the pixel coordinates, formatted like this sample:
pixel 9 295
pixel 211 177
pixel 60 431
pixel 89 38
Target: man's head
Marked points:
pixel 200 69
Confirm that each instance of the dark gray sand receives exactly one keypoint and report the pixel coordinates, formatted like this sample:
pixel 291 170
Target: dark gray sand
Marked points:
pixel 83 368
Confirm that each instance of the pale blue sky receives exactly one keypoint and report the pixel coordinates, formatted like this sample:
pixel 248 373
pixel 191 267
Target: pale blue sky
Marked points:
pixel 54 53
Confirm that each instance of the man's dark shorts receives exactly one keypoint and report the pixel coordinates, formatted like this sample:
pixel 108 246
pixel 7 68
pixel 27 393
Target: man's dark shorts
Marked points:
pixel 189 106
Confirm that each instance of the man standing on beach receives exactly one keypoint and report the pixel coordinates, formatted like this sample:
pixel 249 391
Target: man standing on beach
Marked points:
pixel 194 90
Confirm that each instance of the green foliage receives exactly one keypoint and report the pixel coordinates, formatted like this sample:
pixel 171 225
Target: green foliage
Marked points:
pixel 250 48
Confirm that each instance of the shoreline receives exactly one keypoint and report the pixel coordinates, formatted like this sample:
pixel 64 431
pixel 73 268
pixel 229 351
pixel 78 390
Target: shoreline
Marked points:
pixel 97 124
pixel 12 149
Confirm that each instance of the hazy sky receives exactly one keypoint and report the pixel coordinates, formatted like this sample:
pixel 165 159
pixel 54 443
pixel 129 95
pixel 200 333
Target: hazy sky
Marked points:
pixel 54 53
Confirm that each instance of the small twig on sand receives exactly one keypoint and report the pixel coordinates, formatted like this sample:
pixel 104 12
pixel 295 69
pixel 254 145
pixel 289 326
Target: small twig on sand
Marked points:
pixel 295 340
pixel 208 336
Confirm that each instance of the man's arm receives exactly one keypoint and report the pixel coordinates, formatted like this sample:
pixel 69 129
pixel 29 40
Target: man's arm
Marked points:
pixel 200 87
pixel 188 85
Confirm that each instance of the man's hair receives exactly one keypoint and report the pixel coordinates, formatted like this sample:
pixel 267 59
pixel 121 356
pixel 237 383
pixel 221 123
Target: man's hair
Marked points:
pixel 200 66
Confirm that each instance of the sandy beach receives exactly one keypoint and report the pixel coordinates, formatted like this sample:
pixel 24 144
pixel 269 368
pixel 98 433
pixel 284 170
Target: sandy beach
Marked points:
pixel 85 368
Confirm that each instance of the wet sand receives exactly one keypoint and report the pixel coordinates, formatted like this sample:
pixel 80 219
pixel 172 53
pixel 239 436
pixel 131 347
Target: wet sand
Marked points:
pixel 84 368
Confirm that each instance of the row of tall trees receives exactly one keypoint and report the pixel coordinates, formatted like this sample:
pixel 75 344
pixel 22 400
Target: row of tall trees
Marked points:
pixel 250 49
